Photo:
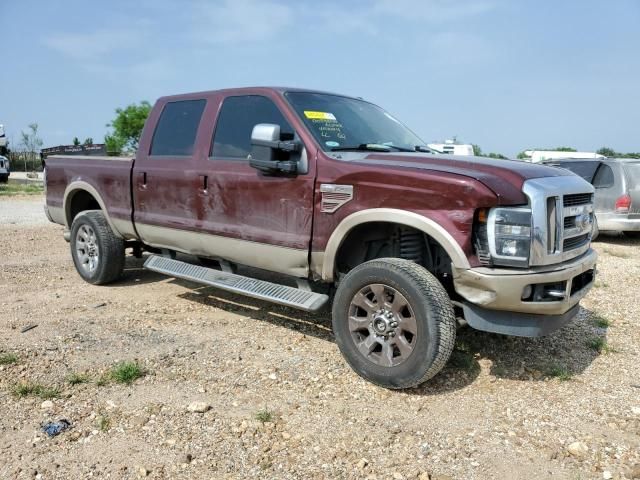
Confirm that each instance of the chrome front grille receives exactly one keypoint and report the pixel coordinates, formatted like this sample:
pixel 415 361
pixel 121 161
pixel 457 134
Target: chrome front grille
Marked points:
pixel 575 242
pixel 562 218
pixel 577 199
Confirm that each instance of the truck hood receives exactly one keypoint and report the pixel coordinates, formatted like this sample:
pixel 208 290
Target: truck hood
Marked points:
pixel 503 177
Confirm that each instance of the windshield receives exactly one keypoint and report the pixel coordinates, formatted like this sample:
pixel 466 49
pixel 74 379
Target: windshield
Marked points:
pixel 341 123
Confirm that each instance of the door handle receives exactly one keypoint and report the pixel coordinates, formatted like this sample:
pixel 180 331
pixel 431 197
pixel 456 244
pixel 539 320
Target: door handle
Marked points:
pixel 204 183
pixel 142 180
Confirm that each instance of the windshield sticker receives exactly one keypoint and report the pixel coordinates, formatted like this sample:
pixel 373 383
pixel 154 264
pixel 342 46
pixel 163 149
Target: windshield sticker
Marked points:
pixel 319 115
pixel 332 144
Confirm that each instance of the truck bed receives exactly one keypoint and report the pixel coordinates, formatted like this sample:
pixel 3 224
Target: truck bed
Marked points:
pixel 107 179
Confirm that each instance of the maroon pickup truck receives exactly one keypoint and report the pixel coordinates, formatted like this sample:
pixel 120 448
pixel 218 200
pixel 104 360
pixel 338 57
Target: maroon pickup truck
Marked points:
pixel 334 195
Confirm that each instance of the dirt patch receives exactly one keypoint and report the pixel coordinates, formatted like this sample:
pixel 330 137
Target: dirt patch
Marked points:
pixel 235 388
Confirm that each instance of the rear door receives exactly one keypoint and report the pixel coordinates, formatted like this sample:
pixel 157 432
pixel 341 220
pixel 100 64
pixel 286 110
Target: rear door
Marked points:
pixel 166 180
pixel 255 219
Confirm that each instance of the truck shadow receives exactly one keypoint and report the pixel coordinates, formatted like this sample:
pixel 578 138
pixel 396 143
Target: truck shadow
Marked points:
pixel 560 356
pixel 317 324
pixel 616 238
pixel 134 274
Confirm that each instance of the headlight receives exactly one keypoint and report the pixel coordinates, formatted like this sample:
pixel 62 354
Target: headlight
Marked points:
pixel 503 236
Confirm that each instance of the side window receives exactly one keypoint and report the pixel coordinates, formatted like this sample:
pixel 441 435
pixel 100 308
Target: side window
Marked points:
pixel 603 177
pixel 176 131
pixel 238 116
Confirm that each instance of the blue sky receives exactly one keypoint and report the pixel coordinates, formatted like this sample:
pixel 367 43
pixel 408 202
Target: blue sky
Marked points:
pixel 507 75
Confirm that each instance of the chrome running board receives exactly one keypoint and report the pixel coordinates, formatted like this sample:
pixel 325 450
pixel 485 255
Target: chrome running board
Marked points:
pixel 251 287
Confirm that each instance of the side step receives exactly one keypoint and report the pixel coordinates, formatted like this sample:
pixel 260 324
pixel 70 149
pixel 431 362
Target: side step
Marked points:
pixel 251 287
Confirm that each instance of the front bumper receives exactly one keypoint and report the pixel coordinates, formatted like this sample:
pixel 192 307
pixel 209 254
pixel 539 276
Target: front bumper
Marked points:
pixel 495 296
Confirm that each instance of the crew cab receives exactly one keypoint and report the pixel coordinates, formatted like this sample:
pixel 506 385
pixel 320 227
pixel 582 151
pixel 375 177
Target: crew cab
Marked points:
pixel 344 205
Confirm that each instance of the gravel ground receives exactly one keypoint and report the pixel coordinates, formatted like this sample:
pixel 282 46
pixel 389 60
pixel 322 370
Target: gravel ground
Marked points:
pixel 237 388
pixel 23 210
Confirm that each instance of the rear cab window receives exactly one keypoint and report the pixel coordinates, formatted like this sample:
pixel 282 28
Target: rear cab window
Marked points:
pixel 175 133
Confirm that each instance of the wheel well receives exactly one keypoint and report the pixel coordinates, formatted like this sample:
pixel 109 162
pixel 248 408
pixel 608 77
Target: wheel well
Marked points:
pixel 80 201
pixel 373 240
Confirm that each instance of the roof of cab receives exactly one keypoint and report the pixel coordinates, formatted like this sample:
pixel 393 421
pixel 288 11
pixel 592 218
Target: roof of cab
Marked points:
pixel 249 90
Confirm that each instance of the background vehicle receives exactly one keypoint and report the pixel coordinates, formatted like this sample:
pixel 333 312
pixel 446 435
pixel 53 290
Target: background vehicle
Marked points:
pixel 617 191
pixel 3 141
pixel 5 169
pixel 542 156
pixel 452 147
pixel 333 192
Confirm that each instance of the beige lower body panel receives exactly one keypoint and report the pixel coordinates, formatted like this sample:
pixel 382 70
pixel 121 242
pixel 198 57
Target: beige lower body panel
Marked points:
pixel 501 289
pixel 289 261
pixel 317 261
pixel 124 228
pixel 55 214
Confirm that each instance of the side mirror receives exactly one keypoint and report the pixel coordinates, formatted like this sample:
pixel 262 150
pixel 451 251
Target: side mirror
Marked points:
pixel 267 150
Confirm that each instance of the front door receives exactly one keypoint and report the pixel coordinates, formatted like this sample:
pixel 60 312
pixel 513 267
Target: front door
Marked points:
pixel 258 220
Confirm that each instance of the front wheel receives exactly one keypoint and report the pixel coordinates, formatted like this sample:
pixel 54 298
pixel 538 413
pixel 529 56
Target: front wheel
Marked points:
pixel 97 252
pixel 393 322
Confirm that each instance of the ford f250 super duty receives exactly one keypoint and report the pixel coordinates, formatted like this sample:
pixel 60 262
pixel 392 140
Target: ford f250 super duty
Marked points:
pixel 337 194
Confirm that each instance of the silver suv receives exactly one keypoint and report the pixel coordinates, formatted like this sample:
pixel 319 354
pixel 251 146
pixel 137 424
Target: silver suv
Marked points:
pixel 617 198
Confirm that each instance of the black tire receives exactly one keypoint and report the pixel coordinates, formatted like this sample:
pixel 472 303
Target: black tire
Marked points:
pixel 634 235
pixel 109 261
pixel 430 311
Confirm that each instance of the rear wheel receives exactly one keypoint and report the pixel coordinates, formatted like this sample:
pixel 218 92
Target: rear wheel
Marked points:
pixel 98 254
pixel 634 234
pixel 393 322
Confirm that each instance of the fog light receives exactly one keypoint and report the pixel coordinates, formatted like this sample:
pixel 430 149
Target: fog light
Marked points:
pixel 526 292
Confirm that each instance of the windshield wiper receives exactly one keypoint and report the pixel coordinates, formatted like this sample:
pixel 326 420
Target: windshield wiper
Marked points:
pixel 372 147
pixel 422 148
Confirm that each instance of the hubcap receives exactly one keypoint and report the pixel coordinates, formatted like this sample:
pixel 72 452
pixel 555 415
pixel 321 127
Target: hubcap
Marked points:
pixel 382 325
pixel 87 248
